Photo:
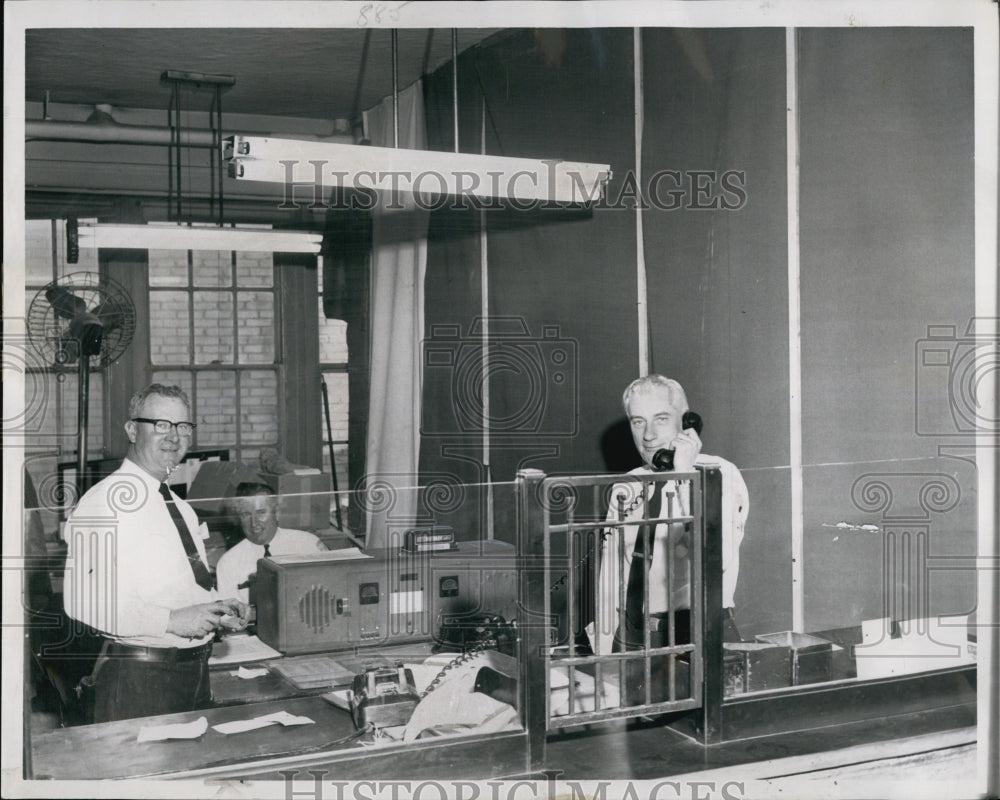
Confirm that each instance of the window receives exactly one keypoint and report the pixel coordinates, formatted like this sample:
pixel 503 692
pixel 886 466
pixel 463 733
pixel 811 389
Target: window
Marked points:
pixel 51 393
pixel 333 366
pixel 212 331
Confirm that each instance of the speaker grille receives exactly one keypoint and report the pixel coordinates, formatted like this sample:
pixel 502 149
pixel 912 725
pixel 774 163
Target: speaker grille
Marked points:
pixel 314 608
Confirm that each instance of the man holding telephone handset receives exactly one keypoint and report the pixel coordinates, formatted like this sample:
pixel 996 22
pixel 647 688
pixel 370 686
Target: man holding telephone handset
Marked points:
pixel 136 572
pixel 658 415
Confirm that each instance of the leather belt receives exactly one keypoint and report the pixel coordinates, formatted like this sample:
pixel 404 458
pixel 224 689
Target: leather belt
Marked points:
pixel 161 654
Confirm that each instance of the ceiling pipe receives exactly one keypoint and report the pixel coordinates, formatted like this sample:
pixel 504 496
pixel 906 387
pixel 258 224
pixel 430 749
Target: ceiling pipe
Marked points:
pixel 110 133
pixel 117 133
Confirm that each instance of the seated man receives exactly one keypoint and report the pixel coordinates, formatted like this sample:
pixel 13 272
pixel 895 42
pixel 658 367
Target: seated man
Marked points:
pixel 256 506
pixel 654 406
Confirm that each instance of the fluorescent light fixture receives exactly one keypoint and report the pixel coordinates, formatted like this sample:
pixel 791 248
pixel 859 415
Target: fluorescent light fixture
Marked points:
pixel 182 237
pixel 426 172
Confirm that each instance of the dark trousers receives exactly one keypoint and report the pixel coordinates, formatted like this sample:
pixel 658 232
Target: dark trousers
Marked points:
pixel 126 688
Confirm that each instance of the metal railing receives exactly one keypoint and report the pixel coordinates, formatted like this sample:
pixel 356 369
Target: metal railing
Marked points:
pixel 654 674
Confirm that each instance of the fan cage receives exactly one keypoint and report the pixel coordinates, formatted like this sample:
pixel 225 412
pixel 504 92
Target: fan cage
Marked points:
pixel 47 329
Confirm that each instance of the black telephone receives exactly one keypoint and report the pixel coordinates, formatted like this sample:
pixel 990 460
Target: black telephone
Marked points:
pixel 464 632
pixel 663 460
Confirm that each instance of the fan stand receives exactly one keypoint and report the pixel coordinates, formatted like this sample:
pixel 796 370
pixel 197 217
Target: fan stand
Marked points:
pixel 82 415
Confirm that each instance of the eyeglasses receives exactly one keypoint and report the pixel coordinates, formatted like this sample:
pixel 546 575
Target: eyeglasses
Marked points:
pixel 164 426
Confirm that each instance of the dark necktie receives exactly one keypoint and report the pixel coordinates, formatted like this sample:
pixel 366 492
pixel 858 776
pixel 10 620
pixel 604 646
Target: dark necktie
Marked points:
pixel 637 572
pixel 204 578
pixel 267 551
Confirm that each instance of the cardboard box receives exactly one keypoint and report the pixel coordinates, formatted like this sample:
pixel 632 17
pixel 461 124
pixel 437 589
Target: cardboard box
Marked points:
pixel 303 500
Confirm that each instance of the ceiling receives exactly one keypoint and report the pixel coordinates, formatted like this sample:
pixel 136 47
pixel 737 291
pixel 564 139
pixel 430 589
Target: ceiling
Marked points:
pixel 319 74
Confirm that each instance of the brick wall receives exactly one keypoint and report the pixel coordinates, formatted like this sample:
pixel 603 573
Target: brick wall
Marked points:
pixel 170 324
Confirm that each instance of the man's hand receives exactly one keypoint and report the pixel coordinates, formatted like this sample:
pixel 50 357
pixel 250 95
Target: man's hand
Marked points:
pixel 687 446
pixel 237 617
pixel 194 622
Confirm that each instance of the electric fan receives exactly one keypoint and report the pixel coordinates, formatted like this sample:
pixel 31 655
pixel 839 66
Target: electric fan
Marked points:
pixel 81 321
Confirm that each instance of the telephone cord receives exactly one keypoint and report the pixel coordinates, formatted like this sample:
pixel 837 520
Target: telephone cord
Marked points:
pixel 603 534
pixel 468 655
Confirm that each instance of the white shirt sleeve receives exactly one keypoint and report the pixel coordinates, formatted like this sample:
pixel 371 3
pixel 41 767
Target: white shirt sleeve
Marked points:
pixel 103 585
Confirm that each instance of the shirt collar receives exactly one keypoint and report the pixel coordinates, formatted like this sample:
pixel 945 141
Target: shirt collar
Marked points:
pixel 130 467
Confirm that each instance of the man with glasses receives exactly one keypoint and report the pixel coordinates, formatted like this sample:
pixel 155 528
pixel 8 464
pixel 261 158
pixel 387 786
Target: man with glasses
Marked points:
pixel 136 572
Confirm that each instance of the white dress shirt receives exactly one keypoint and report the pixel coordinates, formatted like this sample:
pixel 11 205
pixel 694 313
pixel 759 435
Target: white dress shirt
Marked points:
pixel 735 507
pixel 126 568
pixel 239 562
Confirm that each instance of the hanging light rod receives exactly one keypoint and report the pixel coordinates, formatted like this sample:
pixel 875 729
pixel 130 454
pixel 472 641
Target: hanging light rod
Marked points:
pixel 297 162
pixel 182 237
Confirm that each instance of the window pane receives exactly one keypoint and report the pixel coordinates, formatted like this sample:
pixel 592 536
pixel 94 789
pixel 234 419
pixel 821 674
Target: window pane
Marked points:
pixel 216 409
pixel 255 269
pixel 169 328
pixel 168 268
pixel 212 267
pixel 339 453
pixel 213 328
pixel 43 401
pixel 336 389
pixel 259 401
pixel 332 339
pixel 69 400
pixel 37 251
pixel 256 327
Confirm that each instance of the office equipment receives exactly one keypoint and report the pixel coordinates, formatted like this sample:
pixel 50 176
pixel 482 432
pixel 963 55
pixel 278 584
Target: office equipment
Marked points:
pixel 663 460
pixel 383 697
pixel 325 603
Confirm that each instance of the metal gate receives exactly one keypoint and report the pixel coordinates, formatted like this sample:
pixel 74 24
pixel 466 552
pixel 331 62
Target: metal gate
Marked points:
pixel 625 646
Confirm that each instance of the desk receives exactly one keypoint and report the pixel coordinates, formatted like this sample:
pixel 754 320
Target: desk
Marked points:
pixel 110 750
pixel 227 689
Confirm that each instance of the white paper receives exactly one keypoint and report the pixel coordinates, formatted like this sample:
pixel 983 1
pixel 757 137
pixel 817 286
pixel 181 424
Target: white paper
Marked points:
pixel 247 672
pixel 406 602
pixel 922 645
pixel 237 648
pixel 342 554
pixel 277 718
pixel 179 730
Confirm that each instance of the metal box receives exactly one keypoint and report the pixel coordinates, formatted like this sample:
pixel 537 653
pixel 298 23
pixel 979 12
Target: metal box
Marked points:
pixel 776 660
pixel 323 602
pixel 754 666
pixel 810 657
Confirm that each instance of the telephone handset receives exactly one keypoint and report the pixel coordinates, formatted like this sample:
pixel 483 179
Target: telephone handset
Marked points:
pixel 663 460
pixel 476 686
pixel 463 632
